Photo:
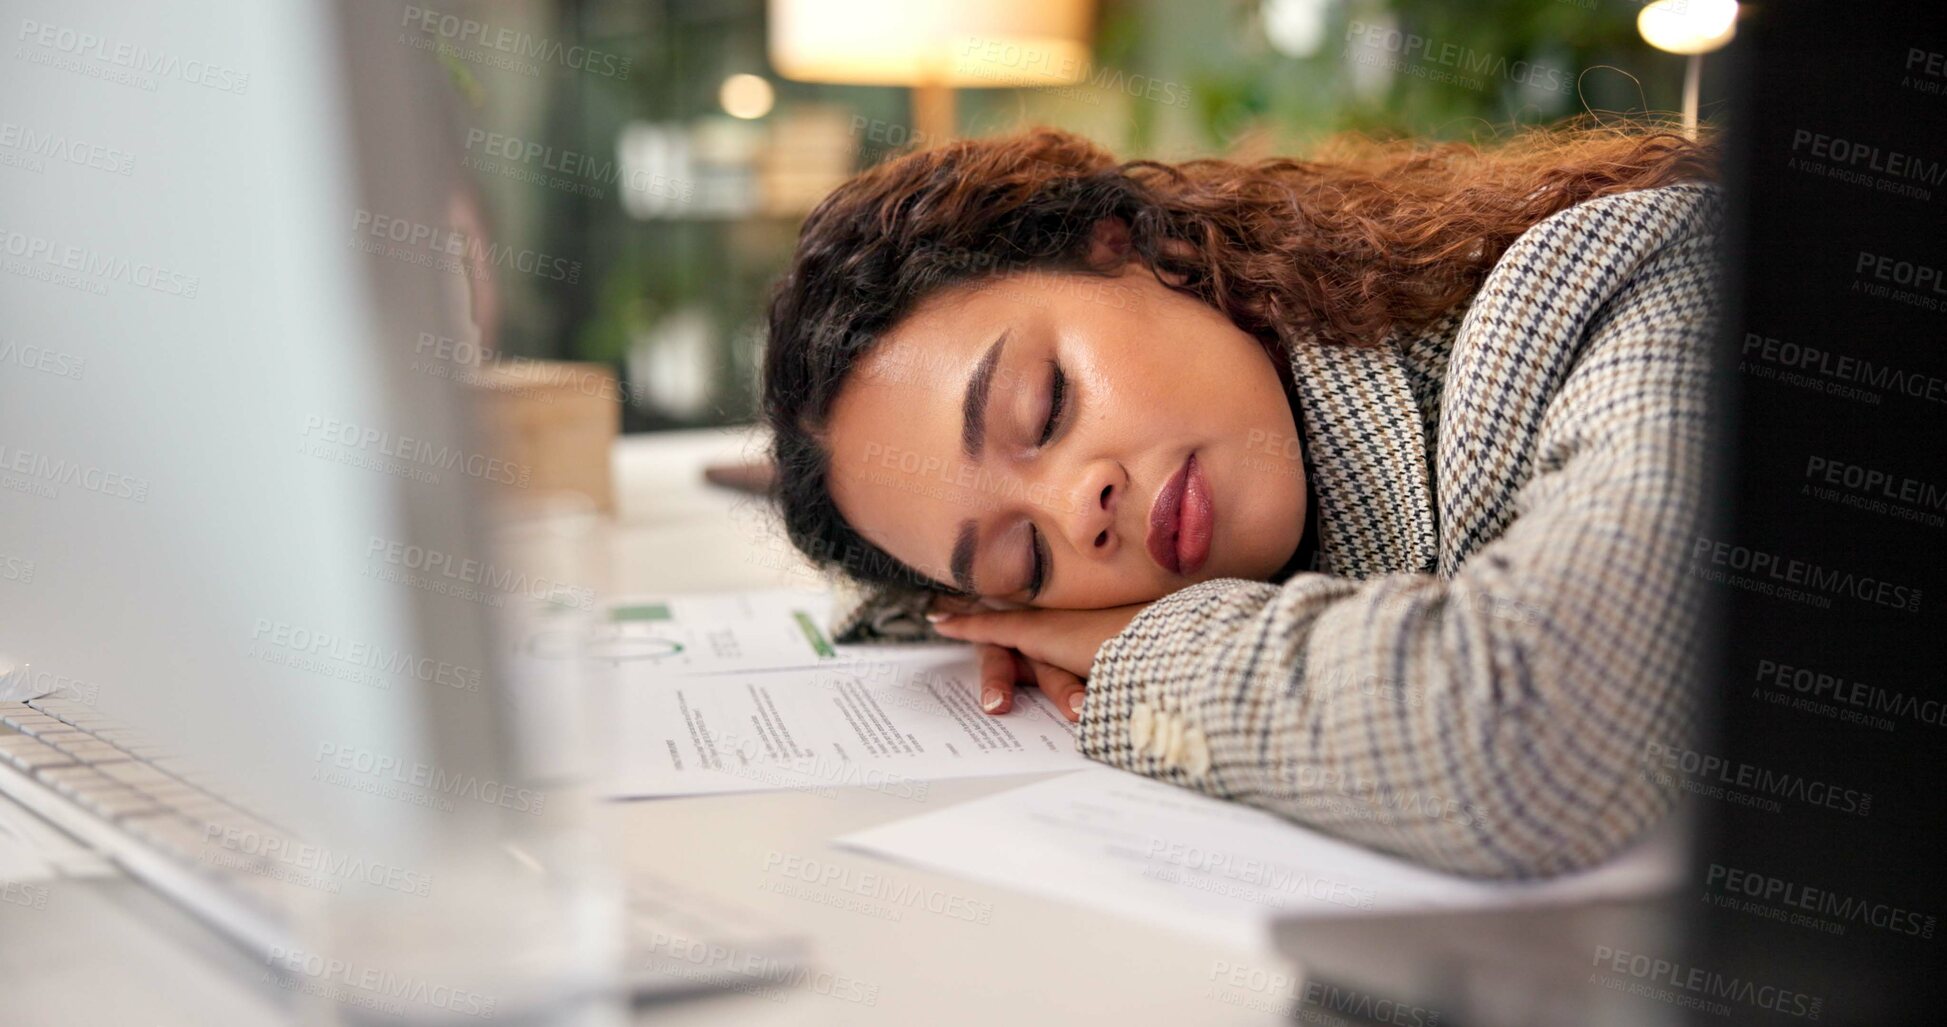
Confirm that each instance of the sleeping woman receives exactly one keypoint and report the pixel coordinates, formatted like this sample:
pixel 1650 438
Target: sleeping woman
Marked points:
pixel 1357 489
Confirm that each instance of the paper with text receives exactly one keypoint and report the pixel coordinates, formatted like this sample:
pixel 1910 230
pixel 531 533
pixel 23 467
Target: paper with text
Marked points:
pixel 1150 850
pixel 882 717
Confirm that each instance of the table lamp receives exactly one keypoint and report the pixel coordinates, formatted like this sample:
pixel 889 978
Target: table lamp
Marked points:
pixel 1692 27
pixel 931 46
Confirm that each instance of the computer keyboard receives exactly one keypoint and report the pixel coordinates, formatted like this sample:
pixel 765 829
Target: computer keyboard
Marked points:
pixel 115 774
pixel 128 785
pixel 142 789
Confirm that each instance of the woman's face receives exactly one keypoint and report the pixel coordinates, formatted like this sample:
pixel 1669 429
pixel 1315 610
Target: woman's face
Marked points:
pixel 1070 440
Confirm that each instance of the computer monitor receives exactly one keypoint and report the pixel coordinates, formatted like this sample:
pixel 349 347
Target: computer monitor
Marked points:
pixel 246 510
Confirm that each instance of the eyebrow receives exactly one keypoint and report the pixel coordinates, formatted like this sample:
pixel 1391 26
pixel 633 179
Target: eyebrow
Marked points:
pixel 963 554
pixel 973 410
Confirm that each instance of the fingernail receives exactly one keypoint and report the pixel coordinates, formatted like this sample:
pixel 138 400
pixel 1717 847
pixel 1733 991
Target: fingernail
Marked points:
pixel 1075 704
pixel 991 699
pixel 937 616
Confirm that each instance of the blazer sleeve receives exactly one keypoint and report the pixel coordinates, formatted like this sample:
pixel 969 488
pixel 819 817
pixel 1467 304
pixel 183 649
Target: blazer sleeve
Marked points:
pixel 1494 722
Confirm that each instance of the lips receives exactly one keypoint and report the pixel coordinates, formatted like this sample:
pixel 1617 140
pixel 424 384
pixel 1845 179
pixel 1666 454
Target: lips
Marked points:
pixel 1181 520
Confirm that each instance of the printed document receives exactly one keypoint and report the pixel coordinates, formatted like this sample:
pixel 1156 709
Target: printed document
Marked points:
pixel 1154 851
pixel 883 717
pixel 698 634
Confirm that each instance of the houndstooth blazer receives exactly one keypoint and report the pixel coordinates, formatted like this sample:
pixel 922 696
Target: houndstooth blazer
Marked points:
pixel 1501 621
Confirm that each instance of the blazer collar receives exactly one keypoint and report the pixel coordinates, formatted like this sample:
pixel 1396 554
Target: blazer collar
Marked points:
pixel 1371 480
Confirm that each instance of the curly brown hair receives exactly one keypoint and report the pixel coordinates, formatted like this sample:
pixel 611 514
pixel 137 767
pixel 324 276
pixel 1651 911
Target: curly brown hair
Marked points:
pixel 1365 238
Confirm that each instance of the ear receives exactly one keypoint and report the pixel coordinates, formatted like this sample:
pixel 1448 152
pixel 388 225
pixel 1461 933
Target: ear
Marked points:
pixel 1108 244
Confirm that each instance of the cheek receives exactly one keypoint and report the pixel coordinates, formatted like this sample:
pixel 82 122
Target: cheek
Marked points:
pixel 1115 588
pixel 1272 528
pixel 1218 380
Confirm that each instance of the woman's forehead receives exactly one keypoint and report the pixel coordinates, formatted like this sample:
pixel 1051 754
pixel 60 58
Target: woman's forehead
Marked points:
pixel 930 348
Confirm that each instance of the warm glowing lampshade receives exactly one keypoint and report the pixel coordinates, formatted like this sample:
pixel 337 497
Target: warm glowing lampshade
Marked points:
pixel 1688 26
pixel 955 43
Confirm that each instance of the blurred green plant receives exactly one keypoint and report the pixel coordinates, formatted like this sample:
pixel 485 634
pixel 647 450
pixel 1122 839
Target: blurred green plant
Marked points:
pixel 1473 66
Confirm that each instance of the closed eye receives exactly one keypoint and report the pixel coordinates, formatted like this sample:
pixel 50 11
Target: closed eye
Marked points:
pixel 1057 399
pixel 1037 543
pixel 1038 577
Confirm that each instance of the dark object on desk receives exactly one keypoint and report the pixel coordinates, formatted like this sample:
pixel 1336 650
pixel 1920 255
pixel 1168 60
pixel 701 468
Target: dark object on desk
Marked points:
pixel 1826 895
pixel 754 478
pixel 1539 966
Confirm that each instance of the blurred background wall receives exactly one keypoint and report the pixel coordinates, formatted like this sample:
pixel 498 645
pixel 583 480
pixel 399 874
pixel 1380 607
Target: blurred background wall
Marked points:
pixel 658 159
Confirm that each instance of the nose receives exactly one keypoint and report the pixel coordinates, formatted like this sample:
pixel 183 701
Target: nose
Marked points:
pixel 1090 521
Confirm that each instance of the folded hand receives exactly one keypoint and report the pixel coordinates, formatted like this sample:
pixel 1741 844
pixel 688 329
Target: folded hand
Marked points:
pixel 1050 648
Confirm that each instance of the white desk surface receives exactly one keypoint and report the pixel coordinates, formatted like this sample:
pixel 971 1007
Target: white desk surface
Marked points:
pixel 110 952
pixel 1036 961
